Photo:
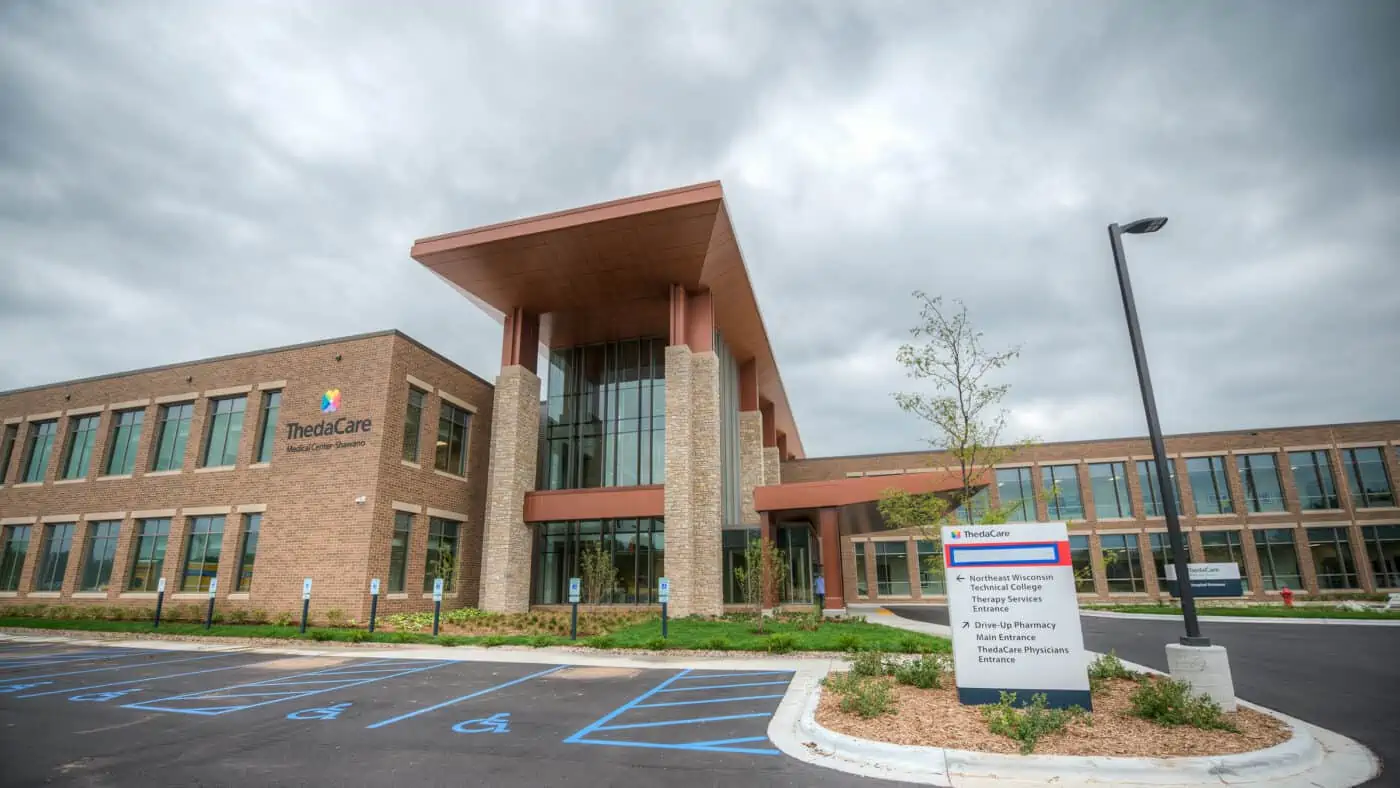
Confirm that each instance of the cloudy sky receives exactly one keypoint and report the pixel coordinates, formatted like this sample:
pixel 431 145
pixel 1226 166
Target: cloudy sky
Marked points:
pixel 179 180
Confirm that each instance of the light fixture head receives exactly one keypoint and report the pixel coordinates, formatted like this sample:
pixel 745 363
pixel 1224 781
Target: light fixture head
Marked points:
pixel 1144 226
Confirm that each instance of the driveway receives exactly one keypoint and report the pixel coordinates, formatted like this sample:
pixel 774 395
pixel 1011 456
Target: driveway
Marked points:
pixel 1345 678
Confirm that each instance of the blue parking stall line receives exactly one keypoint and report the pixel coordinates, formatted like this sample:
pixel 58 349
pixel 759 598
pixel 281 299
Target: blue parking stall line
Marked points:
pixel 121 667
pixel 691 747
pixel 707 700
pixel 163 704
pixel 718 742
pixel 701 676
pixel 691 721
pixel 44 660
pixel 577 737
pixel 124 683
pixel 725 686
pixel 469 696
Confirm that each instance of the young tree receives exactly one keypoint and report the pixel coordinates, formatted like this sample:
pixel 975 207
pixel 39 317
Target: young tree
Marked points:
pixel 445 567
pixel 751 578
pixel 963 413
pixel 597 573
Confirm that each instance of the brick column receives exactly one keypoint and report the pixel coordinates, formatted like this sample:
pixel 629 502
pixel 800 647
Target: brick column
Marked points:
pixel 515 425
pixel 1096 560
pixel 830 534
pixel 1150 570
pixel 1364 576
pixel 1305 560
pixel 1251 564
pixel 77 549
pixel 911 554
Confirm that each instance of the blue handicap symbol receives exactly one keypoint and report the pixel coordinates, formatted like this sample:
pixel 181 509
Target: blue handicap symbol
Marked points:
pixel 496 723
pixel 324 713
pixel 6 688
pixel 101 697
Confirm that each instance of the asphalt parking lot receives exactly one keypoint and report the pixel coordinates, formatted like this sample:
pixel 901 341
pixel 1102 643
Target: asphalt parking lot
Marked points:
pixel 72 715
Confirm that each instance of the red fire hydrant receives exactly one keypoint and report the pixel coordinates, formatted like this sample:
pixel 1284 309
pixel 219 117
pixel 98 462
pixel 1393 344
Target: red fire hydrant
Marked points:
pixel 1287 594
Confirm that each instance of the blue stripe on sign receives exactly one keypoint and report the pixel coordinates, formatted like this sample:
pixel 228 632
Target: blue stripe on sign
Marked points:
pixel 691 721
pixel 478 693
pixel 128 681
pixel 703 676
pixel 698 702
pixel 1054 698
pixel 726 686
pixel 120 667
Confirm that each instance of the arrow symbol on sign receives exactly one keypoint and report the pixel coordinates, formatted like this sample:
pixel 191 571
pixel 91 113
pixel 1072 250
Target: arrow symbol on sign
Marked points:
pixel 964 626
pixel 960 577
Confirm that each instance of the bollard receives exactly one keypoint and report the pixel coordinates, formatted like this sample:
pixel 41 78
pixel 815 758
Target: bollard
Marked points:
pixel 305 602
pixel 160 601
pixel 373 601
pixel 437 604
pixel 209 614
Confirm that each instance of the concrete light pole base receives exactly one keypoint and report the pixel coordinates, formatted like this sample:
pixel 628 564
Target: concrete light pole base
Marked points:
pixel 1206 669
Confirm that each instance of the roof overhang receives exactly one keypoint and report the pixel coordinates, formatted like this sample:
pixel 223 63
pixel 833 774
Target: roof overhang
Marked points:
pixel 604 272
pixel 844 492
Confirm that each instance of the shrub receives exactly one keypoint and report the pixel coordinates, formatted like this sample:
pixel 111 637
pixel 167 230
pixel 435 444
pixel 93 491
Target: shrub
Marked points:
pixel 657 643
pixel 1029 724
pixel 403 637
pixel 464 615
pixel 494 640
pixel 451 640
pixel 840 683
pixel 542 641
pixel 357 636
pixel 867 698
pixel 848 642
pixel 410 622
pixel 1170 702
pixel 283 619
pixel 335 617
pixel 257 616
pixel 1109 666
pixel 924 673
pixel 870 663
pixel 780 642
pixel 718 644
pixel 237 616
pixel 913 644
pixel 321 634
pixel 600 642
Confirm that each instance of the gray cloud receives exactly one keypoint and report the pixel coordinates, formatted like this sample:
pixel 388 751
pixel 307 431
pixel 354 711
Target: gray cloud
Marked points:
pixel 180 180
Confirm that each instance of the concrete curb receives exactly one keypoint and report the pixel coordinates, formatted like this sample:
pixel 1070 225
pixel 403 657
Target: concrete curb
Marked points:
pixel 1359 622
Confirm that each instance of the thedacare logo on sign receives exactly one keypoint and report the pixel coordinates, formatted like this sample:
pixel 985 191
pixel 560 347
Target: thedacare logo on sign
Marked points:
pixel 330 401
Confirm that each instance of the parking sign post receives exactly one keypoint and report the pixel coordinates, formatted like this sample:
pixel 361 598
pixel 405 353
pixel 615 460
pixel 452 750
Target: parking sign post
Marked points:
pixel 160 601
pixel 373 601
pixel 209 614
pixel 663 595
pixel 573 602
pixel 305 602
pixel 437 604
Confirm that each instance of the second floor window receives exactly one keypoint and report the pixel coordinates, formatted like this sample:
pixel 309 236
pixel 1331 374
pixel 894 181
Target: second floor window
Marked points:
pixel 172 435
pixel 7 450
pixel 1312 473
pixel 225 431
pixel 1367 479
pixel 1061 486
pixel 1109 481
pixel 36 455
pixel 126 437
pixel 82 436
pixel 1152 488
pixel 1209 487
pixel 412 424
pixel 1263 489
pixel 1017 497
pixel 271 407
pixel 454 423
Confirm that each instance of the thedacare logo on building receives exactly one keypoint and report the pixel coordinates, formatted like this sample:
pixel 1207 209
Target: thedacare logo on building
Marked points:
pixel 330 401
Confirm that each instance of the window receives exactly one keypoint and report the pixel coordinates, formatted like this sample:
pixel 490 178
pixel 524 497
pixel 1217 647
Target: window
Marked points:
pixel 1209 487
pixel 605 415
pixel 412 424
pixel 1017 497
pixel 796 543
pixel 1121 562
pixel 972 514
pixel 1263 488
pixel 1162 553
pixel 1081 558
pixel 172 433
pixel 148 559
pixel 1109 481
pixel 454 425
pixel 248 552
pixel 442 554
pixel 126 436
pixel 15 548
pixel 101 549
pixel 1278 561
pixel 1312 473
pixel 225 432
pixel 202 554
pixel 53 557
pixel 1152 489
pixel 1382 551
pixel 7 450
pixel 734 543
pixel 36 462
pixel 267 435
pixel 1061 486
pixel 82 435
pixel 1332 558
pixel 862 586
pixel 637 547
pixel 930 581
pixel 398 551
pixel 1223 547
pixel 1366 478
pixel 891 568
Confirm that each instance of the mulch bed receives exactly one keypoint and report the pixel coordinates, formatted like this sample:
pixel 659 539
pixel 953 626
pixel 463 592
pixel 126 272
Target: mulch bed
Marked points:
pixel 934 718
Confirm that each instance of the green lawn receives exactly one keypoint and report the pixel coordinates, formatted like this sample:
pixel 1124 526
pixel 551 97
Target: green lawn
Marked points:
pixel 683 634
pixel 1253 611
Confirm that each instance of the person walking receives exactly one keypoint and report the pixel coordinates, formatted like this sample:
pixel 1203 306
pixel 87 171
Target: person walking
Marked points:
pixel 819 589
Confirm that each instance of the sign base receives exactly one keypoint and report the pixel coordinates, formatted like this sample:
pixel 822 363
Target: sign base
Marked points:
pixel 1054 698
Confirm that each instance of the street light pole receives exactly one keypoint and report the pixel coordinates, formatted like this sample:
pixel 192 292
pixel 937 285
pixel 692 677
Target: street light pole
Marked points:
pixel 1193 635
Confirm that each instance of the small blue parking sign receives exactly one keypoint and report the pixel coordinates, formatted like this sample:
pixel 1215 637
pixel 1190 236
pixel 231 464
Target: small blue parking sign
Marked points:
pixel 574 585
pixel 437 590
pixel 663 590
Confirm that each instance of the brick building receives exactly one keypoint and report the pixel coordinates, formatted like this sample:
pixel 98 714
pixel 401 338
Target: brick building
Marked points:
pixel 660 432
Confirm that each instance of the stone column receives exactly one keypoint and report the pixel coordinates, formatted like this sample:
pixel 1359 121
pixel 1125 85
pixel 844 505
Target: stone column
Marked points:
pixel 693 482
pixel 506 543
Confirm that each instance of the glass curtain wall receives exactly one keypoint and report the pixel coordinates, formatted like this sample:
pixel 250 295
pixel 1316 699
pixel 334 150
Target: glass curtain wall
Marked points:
pixel 892 568
pixel 637 547
pixel 605 416
pixel 735 541
pixel 796 543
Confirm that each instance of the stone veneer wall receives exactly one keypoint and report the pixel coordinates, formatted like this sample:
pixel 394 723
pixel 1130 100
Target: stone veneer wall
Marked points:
pixel 693 482
pixel 506 550
pixel 753 468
